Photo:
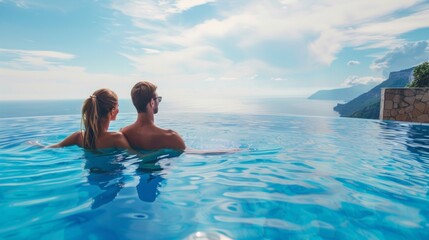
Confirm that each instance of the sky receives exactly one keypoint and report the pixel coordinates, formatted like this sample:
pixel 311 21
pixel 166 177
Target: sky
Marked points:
pixel 197 49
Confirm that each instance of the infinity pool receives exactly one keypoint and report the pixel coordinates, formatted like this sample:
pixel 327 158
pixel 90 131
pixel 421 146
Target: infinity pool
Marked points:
pixel 294 178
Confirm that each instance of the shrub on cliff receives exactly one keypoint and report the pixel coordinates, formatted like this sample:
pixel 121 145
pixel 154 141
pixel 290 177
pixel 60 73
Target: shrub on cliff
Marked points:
pixel 421 76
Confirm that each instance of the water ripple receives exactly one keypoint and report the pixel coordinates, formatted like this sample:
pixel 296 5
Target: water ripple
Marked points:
pixel 304 178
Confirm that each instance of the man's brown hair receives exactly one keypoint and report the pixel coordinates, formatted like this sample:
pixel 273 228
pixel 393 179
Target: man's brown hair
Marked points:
pixel 141 94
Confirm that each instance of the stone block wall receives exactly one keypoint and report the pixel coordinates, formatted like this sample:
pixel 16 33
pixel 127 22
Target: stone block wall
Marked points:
pixel 405 104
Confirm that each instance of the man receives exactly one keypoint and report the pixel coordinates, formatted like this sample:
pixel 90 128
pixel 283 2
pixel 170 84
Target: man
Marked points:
pixel 143 133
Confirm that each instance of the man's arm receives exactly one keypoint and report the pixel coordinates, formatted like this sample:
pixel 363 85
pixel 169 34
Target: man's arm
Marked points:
pixel 172 140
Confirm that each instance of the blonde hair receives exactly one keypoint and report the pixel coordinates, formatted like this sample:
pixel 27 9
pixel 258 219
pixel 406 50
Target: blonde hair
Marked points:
pixel 94 109
pixel 141 94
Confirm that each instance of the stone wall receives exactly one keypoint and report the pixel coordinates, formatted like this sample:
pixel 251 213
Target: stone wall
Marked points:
pixel 405 104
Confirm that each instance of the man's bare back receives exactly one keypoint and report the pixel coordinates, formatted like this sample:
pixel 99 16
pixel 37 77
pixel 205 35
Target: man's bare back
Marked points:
pixel 151 137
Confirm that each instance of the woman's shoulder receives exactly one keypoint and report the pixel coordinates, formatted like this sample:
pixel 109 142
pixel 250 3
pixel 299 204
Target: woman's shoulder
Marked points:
pixel 116 134
pixel 78 133
pixel 112 140
pixel 77 136
pixel 111 137
pixel 117 137
pixel 119 140
pixel 108 137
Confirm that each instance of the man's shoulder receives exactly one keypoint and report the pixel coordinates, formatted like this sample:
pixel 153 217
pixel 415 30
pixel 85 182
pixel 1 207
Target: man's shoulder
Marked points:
pixel 166 132
pixel 170 139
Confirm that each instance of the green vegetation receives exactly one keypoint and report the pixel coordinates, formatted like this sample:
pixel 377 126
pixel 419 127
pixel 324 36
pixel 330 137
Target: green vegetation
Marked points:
pixel 421 76
pixel 372 111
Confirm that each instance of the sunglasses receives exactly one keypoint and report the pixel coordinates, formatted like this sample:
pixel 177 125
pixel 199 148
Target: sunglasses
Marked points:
pixel 159 98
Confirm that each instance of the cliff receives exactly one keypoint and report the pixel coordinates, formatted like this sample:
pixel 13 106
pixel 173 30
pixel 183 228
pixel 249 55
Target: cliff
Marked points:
pixel 343 94
pixel 367 105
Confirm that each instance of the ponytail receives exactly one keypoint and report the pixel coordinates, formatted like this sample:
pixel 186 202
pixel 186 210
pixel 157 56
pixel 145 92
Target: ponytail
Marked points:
pixel 90 121
pixel 94 109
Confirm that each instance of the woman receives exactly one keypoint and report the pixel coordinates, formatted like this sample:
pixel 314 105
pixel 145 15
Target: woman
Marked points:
pixel 97 112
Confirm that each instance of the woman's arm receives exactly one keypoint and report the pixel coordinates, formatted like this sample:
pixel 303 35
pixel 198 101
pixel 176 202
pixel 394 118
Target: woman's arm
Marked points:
pixel 68 141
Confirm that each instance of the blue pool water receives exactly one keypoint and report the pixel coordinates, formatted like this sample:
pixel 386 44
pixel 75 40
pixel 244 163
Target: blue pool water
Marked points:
pixel 297 177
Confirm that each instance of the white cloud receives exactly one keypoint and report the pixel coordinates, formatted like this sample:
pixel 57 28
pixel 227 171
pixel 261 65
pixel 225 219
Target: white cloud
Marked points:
pixel 405 56
pixel 228 78
pixel 143 9
pixel 396 26
pixel 184 5
pixel 41 54
pixel 352 63
pixel 370 30
pixel 324 27
pixel 356 80
pixel 58 6
pixel 19 3
pixel 199 63
pixel 28 58
pixel 169 47
pixel 154 9
pixel 210 79
pixel 59 82
pixel 288 2
pixel 151 51
pixel 186 61
pixel 254 76
pixel 317 30
pixel 169 51
pixel 326 47
pixel 384 34
pixel 28 74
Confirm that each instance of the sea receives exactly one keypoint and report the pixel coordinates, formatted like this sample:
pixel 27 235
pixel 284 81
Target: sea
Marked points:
pixel 257 106
pixel 298 171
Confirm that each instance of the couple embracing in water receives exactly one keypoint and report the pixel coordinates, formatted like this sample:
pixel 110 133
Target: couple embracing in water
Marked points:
pixel 102 107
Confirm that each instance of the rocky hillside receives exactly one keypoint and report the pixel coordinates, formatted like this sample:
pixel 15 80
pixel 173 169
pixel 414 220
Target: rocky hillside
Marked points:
pixel 367 105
